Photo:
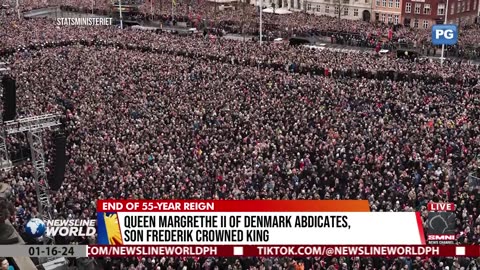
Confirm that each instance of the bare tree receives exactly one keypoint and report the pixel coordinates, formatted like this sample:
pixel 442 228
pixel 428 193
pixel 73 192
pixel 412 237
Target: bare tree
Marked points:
pixel 244 19
pixel 339 6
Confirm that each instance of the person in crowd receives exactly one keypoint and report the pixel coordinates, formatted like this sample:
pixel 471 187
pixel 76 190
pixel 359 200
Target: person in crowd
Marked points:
pixel 5 265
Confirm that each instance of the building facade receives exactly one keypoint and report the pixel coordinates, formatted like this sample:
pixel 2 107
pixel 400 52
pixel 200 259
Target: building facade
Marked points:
pixel 425 13
pixel 413 13
pixel 343 9
pixel 387 11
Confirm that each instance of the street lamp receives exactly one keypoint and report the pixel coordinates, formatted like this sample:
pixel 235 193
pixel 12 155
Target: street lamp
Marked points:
pixel 17 7
pixel 120 9
pixel 443 45
pixel 261 21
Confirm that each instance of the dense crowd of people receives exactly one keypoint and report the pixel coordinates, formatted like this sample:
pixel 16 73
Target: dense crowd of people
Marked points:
pixel 296 22
pixel 43 32
pixel 244 19
pixel 162 116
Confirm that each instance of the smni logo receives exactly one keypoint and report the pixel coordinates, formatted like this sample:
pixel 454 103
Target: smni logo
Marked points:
pixel 444 34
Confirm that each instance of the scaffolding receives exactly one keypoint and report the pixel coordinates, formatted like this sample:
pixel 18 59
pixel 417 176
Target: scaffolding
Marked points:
pixel 5 163
pixel 34 127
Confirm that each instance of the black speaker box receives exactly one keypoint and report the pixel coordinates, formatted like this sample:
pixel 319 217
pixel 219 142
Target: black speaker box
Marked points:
pixel 9 98
pixel 56 180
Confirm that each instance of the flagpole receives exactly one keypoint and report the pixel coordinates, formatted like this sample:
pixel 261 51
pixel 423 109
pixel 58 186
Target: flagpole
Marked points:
pixel 443 45
pixel 261 21
pixel 120 9
pixel 18 9
pixel 173 1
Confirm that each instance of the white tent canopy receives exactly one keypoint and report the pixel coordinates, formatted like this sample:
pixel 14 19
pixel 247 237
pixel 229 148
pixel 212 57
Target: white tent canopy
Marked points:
pixel 280 11
pixel 223 1
pixel 139 27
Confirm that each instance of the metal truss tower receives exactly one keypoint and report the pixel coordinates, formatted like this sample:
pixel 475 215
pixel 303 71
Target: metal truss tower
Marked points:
pixel 5 162
pixel 34 127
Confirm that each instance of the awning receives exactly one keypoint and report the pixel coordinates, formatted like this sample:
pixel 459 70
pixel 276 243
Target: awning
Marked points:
pixel 280 11
pixel 223 1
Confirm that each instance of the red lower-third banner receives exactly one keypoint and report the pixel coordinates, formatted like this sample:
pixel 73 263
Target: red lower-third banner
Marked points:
pixel 269 250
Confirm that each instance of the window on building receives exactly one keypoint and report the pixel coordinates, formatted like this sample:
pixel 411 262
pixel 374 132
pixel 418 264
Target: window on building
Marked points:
pixel 459 7
pixel 397 3
pixel 355 12
pixel 441 9
pixel 317 8
pixel 384 3
pixel 390 3
pixel 418 8
pixel 396 19
pixel 309 6
pixel 346 1
pixel 426 9
pixel 468 5
pixel 367 1
pixel 415 23
pixel 408 8
pixel 475 5
pixel 327 9
pixel 463 6
pixel 390 18
pixel 452 8
pixel 337 10
pixel 345 11
pixel 425 24
pixel 383 17
pixel 377 2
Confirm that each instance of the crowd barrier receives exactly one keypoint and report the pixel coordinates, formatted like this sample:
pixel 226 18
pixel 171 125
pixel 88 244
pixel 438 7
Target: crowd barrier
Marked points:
pixel 360 40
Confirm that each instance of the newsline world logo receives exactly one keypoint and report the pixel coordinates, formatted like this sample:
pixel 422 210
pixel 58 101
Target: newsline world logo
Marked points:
pixel 36 227
pixel 84 21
